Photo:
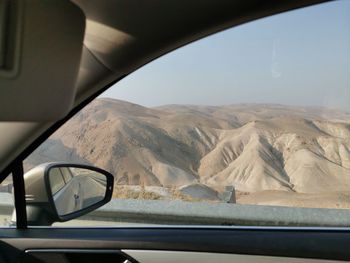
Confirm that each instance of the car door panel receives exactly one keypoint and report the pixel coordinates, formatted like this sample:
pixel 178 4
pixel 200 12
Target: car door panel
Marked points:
pixel 299 243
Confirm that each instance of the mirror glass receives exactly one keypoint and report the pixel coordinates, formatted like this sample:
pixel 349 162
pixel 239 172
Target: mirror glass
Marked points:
pixel 74 189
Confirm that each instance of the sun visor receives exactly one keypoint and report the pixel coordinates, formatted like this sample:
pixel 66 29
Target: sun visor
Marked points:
pixel 40 49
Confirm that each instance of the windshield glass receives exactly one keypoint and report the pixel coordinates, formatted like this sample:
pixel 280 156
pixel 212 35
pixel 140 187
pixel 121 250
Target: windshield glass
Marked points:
pixel 248 126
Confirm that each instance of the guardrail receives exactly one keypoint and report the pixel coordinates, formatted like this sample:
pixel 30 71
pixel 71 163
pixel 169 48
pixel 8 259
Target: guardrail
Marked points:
pixel 178 212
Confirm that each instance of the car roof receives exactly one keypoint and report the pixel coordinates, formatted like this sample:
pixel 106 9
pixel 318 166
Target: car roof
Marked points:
pixel 123 35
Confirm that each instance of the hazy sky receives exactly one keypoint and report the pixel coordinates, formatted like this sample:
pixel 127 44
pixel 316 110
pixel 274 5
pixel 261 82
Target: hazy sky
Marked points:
pixel 300 57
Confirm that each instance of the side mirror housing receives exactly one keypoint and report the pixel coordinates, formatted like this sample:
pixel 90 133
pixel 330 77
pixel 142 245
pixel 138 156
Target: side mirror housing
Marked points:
pixel 58 192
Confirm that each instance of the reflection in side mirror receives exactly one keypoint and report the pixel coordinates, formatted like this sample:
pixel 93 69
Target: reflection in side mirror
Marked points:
pixel 74 189
pixel 58 192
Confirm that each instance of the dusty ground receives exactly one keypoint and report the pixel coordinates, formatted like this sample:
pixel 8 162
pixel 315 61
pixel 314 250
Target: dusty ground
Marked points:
pixel 151 193
pixel 284 198
pixel 338 200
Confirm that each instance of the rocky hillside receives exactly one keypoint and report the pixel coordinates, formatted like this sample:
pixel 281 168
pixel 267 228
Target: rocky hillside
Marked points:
pixel 254 147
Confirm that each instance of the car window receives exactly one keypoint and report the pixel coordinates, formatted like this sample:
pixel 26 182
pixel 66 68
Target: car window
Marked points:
pixel 247 126
pixel 7 206
pixel 56 181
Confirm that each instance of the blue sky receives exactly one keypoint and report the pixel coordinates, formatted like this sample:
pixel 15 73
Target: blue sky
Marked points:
pixel 300 57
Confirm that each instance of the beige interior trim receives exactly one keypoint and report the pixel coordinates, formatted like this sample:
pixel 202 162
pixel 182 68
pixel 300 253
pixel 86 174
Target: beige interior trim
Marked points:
pixel 158 256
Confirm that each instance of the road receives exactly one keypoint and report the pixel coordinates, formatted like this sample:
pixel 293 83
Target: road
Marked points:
pixel 80 192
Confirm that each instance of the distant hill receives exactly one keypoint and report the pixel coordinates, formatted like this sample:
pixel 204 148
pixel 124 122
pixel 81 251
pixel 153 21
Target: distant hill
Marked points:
pixel 53 150
pixel 254 147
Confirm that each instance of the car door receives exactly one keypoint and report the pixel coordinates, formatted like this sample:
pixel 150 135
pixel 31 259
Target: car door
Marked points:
pixel 200 222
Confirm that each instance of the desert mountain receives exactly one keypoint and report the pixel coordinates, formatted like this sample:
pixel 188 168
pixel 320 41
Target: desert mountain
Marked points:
pixel 254 147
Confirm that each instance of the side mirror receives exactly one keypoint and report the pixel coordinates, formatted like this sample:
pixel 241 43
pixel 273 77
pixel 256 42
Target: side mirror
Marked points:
pixel 58 192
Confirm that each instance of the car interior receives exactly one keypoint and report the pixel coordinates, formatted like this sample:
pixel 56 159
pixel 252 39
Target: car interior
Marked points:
pixel 57 56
